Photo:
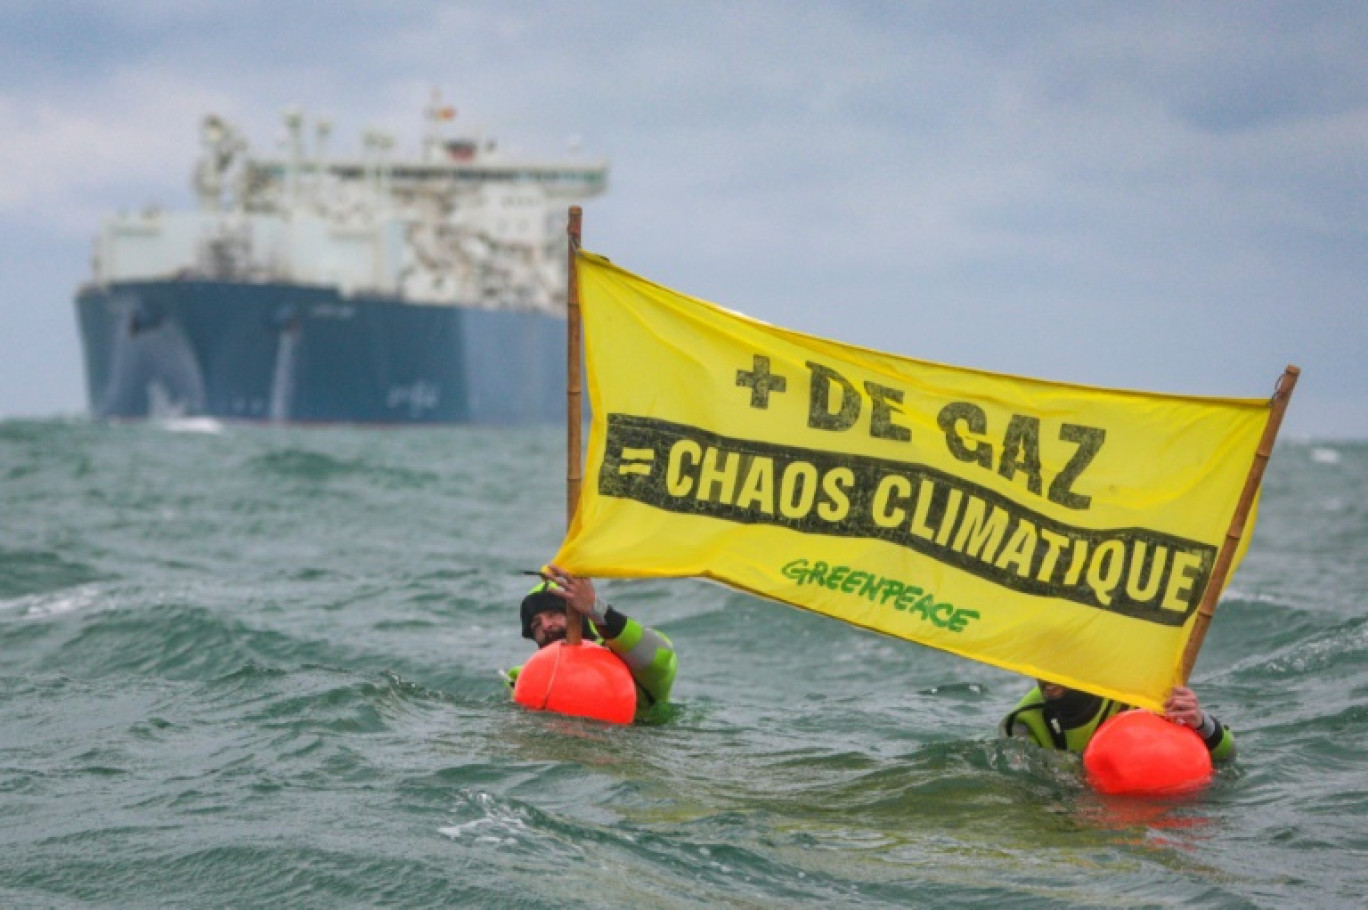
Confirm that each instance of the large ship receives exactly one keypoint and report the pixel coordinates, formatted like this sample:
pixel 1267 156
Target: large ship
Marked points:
pixel 366 289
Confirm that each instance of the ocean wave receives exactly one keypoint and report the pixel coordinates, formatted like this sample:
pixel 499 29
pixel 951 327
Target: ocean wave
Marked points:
pixel 56 603
pixel 173 640
pixel 1249 626
pixel 293 464
pixel 487 819
pixel 303 465
pixel 1344 644
pixel 41 571
pixel 256 668
pixel 1309 659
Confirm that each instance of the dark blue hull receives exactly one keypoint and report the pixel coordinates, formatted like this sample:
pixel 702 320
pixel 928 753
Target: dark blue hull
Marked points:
pixel 277 352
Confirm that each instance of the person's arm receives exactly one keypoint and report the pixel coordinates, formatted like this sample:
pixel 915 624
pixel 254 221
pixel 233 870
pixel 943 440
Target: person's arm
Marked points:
pixel 648 654
pixel 1182 708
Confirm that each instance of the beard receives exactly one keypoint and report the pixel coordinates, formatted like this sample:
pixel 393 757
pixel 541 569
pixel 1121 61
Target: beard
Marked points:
pixel 550 636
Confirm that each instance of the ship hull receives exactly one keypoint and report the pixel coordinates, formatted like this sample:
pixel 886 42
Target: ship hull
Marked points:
pixel 285 353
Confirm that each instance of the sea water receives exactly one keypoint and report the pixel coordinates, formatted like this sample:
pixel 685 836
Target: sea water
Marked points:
pixel 256 667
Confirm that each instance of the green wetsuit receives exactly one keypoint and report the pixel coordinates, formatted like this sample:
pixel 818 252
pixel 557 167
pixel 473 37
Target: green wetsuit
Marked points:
pixel 648 654
pixel 1069 723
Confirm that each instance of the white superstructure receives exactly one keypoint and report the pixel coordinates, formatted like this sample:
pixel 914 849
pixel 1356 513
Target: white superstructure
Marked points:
pixel 459 224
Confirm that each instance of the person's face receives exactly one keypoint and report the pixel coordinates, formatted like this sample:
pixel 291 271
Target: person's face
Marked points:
pixel 1051 691
pixel 548 626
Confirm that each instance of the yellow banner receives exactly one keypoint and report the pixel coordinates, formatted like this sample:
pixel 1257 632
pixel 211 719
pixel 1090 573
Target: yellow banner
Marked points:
pixel 1059 531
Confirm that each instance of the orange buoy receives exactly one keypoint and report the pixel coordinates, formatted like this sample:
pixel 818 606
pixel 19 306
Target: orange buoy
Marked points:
pixel 583 680
pixel 1140 753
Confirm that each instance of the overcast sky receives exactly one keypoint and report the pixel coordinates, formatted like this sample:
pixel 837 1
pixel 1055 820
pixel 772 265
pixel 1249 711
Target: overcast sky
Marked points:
pixel 1171 196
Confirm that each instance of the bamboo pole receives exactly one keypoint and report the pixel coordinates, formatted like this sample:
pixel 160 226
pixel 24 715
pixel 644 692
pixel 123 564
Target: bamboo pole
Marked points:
pixel 574 426
pixel 1282 394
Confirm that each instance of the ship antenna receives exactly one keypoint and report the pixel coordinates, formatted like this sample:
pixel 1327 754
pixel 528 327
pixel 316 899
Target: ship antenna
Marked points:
pixel 322 129
pixel 294 122
pixel 437 114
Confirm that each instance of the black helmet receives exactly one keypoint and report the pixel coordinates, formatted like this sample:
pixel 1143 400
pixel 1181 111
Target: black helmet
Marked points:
pixel 538 600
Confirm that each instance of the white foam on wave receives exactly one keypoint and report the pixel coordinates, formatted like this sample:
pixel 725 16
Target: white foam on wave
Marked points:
pixel 474 831
pixel 1314 655
pixel 499 826
pixel 1323 455
pixel 191 425
pixel 1234 593
pixel 56 603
